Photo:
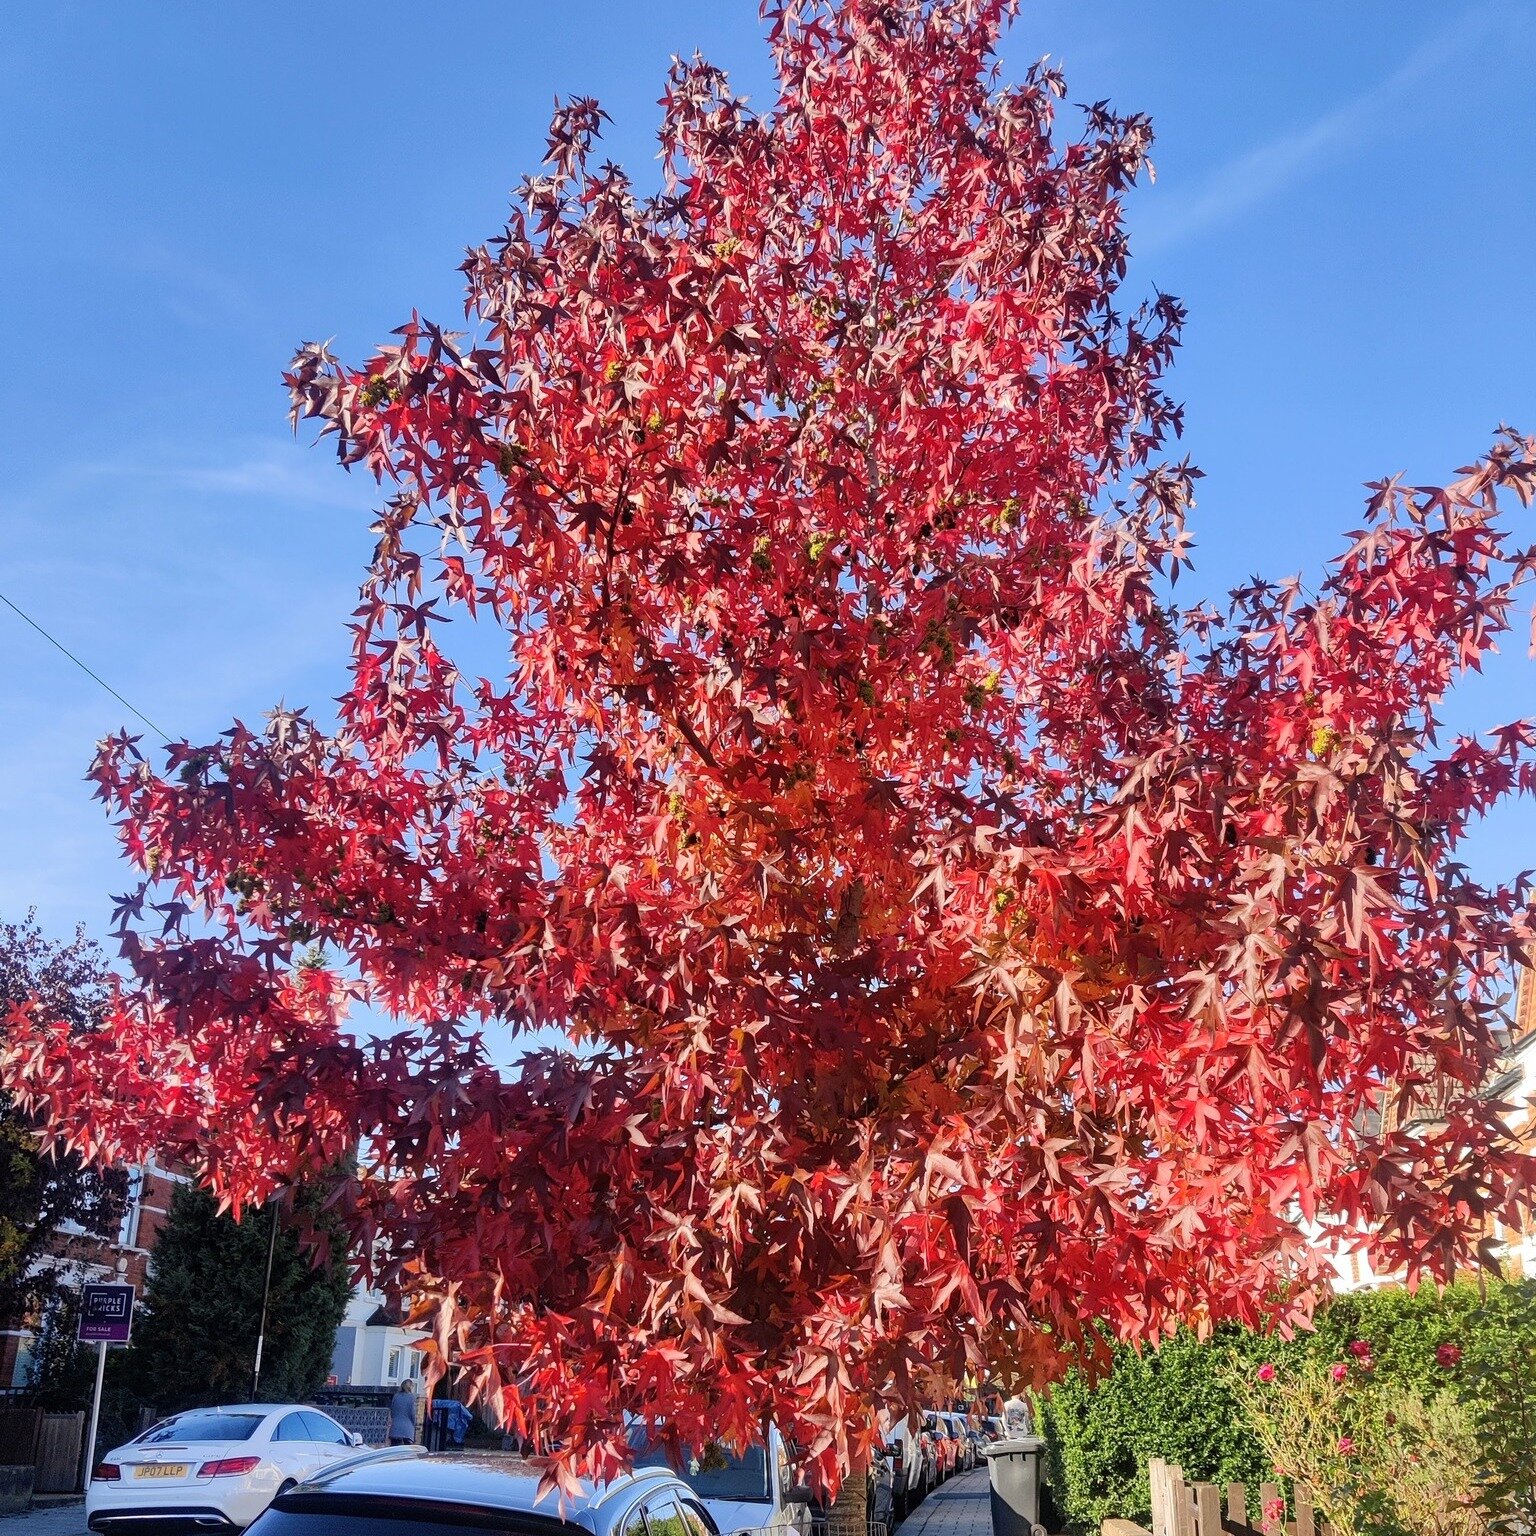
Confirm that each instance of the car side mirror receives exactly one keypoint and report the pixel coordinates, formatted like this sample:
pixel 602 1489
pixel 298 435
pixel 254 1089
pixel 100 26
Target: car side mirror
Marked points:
pixel 799 1494
pixel 354 1439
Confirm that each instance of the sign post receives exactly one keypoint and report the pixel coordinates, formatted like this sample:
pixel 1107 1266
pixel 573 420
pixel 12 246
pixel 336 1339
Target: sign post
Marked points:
pixel 106 1317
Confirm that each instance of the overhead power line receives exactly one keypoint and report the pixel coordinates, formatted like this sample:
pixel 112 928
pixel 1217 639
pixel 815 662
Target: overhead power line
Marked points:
pixel 95 677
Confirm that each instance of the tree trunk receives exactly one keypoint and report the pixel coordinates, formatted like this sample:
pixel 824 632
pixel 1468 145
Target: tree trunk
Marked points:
pixel 849 1515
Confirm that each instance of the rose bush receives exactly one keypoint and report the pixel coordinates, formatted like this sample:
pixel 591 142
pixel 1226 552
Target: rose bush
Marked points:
pixel 1379 1458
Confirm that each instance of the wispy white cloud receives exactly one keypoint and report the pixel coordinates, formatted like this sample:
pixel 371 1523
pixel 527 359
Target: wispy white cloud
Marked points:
pixel 196 292
pixel 316 479
pixel 251 469
pixel 203 581
pixel 1168 218
pixel 191 660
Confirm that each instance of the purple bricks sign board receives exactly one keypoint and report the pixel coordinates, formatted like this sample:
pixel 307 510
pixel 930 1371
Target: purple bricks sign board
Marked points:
pixel 106 1314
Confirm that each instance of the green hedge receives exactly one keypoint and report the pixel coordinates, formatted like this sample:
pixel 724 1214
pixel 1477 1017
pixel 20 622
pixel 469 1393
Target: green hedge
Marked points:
pixel 1171 1401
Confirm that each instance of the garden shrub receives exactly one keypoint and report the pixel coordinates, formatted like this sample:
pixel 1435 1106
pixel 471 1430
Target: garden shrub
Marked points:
pixel 1380 1457
pixel 1404 1329
pixel 1496 1378
pixel 1178 1402
pixel 1174 1402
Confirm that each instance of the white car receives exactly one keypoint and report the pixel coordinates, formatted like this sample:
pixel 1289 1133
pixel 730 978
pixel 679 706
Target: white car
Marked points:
pixel 212 1469
pixel 909 1468
pixel 750 1492
pixel 403 1493
pixel 965 1450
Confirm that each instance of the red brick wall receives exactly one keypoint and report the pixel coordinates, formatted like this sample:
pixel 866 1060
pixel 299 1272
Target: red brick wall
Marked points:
pixel 94 1258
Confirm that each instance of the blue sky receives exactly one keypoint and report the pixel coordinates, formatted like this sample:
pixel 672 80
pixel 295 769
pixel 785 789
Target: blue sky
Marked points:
pixel 1346 200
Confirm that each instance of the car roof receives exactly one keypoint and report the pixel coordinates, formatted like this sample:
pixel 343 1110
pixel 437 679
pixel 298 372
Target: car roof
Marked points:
pixel 499 1482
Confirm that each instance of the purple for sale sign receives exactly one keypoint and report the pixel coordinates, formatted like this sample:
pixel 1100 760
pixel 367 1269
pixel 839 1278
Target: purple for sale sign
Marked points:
pixel 106 1314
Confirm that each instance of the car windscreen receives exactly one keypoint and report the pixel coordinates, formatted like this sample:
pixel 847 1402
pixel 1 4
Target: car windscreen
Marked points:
pixel 714 1472
pixel 194 1428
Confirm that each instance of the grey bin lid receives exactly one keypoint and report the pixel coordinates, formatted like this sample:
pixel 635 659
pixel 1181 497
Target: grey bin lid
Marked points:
pixel 1024 1446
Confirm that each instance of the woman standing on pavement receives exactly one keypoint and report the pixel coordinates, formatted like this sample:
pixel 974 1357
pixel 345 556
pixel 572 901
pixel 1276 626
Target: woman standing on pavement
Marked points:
pixel 402 1415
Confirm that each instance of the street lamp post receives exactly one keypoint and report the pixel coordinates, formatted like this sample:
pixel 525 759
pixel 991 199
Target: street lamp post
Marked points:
pixel 266 1293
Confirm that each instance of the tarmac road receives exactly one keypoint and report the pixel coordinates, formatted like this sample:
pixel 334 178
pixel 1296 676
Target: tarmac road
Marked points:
pixel 66 1520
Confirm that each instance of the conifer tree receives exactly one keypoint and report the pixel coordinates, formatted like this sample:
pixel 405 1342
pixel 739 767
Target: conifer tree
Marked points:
pixel 195 1340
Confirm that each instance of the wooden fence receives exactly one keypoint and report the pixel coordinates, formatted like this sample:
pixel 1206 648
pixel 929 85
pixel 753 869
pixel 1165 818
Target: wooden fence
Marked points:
pixel 60 1444
pixel 49 1442
pixel 1195 1509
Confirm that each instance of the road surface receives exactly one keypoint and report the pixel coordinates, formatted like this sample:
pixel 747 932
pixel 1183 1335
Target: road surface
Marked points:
pixel 67 1520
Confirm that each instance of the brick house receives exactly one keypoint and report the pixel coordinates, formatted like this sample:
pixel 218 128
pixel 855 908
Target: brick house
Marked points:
pixel 80 1257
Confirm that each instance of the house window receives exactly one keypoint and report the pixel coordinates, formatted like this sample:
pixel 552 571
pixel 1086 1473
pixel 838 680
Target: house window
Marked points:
pixel 403 1363
pixel 133 1198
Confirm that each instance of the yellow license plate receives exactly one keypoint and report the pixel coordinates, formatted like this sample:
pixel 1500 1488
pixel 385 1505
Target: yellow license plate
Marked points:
pixel 162 1469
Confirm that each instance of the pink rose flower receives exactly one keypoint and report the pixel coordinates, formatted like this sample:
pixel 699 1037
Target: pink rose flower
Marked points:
pixel 1346 1446
pixel 1361 1349
pixel 1340 1371
pixel 1447 1356
pixel 1274 1512
pixel 1266 1372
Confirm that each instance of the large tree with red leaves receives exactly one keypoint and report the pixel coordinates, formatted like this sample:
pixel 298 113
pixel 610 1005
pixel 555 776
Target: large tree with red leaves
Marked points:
pixel 964 943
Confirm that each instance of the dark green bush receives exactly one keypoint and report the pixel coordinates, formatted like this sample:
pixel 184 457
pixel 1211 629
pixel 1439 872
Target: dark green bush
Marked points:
pixel 1403 1328
pixel 1496 1380
pixel 1171 1401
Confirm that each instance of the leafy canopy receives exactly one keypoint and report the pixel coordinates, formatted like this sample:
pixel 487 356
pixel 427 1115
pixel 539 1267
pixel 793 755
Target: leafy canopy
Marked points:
pixel 50 1206
pixel 964 942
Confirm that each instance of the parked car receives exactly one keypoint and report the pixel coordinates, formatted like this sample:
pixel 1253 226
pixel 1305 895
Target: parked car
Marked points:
pixel 967 1440
pixel 882 1490
pixel 928 1463
pixel 951 1422
pixel 953 1430
pixel 994 1428
pixel 212 1469
pixel 956 1423
pixel 944 1445
pixel 384 1493
pixel 910 1458
pixel 752 1491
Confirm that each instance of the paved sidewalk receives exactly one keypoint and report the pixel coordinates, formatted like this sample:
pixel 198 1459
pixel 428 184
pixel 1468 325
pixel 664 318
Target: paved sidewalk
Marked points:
pixel 962 1507
pixel 65 1520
